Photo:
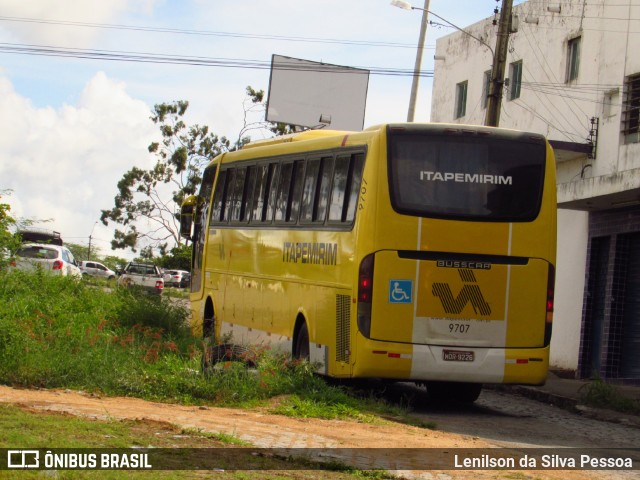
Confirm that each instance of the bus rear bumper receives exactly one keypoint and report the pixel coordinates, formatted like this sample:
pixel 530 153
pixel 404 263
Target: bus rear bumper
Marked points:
pixel 525 366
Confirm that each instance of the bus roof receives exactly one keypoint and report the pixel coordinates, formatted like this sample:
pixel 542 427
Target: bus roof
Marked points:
pixel 296 137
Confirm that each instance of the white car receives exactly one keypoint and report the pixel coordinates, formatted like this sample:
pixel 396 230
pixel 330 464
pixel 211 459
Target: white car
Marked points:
pixel 51 258
pixel 96 269
pixel 176 278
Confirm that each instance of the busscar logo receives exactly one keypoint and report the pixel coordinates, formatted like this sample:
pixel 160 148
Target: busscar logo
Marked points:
pixel 470 293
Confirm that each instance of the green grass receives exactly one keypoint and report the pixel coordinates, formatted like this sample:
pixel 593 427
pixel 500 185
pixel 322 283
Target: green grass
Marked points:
pixel 20 429
pixel 604 395
pixel 60 333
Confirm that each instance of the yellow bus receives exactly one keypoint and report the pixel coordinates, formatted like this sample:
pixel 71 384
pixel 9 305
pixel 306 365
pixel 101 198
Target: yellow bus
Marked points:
pixel 413 252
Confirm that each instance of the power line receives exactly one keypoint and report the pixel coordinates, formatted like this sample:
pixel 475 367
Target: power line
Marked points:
pixel 141 57
pixel 548 71
pixel 252 36
pixel 573 97
pixel 520 103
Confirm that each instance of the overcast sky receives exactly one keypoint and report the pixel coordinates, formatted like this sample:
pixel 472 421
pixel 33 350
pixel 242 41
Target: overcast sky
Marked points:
pixel 70 127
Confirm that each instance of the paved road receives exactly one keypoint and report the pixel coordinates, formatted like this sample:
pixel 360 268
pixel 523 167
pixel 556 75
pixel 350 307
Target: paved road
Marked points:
pixel 513 420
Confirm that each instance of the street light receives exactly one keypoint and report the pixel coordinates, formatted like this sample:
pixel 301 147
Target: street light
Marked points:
pixel 497 69
pixel 416 70
pixel 407 6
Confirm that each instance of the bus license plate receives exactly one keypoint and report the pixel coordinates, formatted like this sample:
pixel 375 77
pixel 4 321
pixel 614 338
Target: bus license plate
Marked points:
pixel 457 356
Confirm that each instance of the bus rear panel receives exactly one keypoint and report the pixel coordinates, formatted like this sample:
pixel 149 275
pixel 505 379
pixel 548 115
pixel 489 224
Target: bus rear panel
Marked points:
pixel 459 283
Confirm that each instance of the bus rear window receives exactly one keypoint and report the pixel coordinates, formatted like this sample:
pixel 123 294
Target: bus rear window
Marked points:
pixel 483 178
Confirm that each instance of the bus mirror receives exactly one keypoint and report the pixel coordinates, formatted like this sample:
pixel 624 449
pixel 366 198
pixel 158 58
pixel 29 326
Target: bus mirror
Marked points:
pixel 187 211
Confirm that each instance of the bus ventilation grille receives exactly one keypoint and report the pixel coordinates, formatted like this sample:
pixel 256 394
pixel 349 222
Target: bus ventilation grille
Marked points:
pixel 343 327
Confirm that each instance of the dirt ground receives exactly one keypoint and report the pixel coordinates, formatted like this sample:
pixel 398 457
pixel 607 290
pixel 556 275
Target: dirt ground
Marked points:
pixel 266 430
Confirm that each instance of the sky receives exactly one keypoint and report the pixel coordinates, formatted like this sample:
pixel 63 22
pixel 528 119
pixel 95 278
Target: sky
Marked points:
pixel 71 127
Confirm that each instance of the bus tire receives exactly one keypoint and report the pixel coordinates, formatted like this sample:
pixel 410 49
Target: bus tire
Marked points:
pixel 228 352
pixel 301 349
pixel 460 392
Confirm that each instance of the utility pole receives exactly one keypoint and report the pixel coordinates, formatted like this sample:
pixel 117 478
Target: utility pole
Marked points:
pixel 416 71
pixel 89 251
pixel 499 63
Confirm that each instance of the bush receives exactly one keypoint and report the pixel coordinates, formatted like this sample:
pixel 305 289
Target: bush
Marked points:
pixel 56 331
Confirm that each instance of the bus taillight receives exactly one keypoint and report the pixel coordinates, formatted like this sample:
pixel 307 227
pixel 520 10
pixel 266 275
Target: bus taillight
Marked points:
pixel 365 292
pixel 551 282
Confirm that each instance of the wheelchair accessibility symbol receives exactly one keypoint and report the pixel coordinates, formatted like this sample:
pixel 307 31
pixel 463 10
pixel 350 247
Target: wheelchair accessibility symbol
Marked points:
pixel 400 291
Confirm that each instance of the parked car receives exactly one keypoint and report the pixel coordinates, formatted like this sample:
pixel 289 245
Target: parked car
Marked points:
pixel 142 275
pixel 96 269
pixel 51 258
pixel 177 278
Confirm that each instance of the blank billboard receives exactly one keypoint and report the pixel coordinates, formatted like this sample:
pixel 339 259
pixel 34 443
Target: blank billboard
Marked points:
pixel 311 94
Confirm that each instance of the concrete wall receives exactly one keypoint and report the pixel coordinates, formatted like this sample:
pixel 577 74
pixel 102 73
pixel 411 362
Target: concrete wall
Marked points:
pixel 573 228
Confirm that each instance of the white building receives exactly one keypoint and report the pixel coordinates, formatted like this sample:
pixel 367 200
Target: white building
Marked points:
pixel 573 71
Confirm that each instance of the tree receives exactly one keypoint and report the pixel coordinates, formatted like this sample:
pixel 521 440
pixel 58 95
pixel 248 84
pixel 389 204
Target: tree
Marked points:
pixel 10 227
pixel 255 103
pixel 9 242
pixel 178 259
pixel 181 155
pixel 154 195
pixel 80 252
pixel 114 263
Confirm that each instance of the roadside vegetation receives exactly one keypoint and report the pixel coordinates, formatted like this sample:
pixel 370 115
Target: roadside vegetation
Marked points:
pixel 59 333
pixel 605 395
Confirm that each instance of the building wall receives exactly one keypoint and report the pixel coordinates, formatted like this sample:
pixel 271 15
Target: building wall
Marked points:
pixel 588 188
pixel 548 104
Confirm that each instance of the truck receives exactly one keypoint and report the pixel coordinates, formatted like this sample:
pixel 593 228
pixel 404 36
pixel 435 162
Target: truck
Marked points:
pixel 142 275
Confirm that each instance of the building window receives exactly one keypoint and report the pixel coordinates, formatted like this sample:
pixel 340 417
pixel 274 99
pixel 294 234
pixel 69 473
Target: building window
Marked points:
pixel 515 79
pixel 631 109
pixel 573 59
pixel 461 99
pixel 486 85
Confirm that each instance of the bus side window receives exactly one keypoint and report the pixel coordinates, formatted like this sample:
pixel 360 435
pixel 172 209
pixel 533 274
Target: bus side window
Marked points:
pixel 309 190
pixel 260 194
pixel 323 190
pixel 249 188
pixel 237 193
pixel 284 188
pixel 205 195
pixel 272 191
pixel 219 197
pixel 228 196
pixel 337 207
pixel 353 185
pixel 297 179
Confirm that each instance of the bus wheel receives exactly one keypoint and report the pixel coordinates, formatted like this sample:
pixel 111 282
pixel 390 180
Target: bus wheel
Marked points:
pixel 301 345
pixel 453 391
pixel 228 352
